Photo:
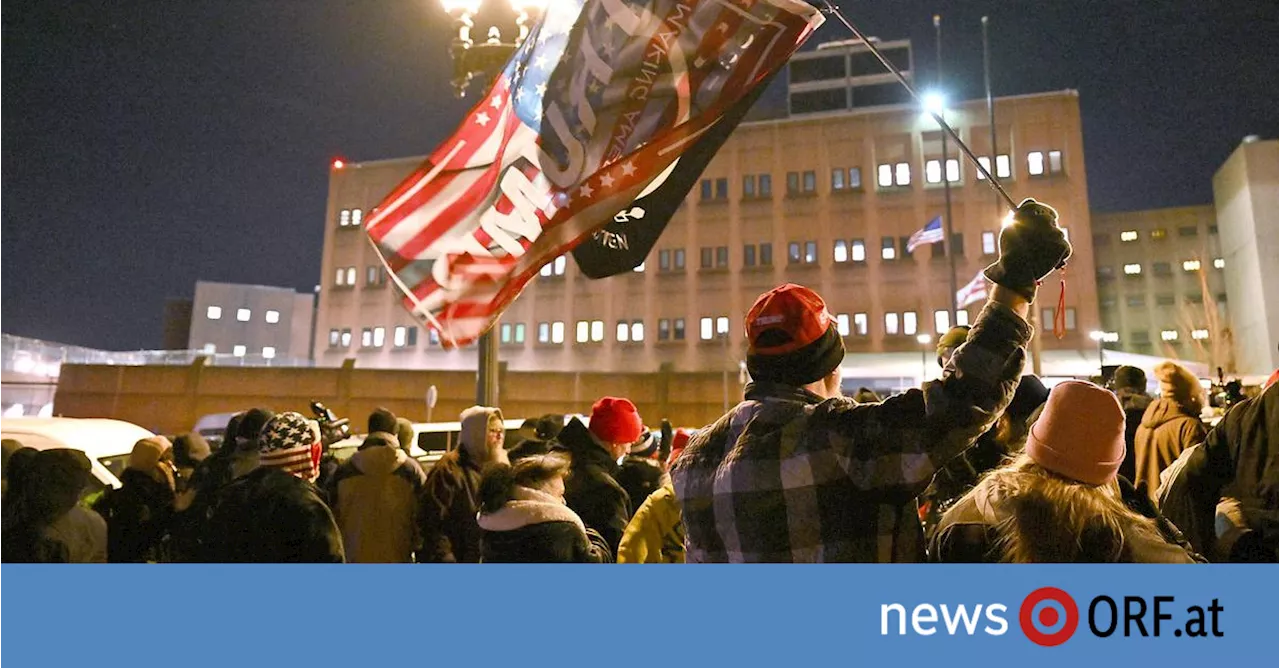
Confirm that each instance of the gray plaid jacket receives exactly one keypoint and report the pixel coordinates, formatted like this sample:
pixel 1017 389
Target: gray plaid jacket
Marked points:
pixel 788 477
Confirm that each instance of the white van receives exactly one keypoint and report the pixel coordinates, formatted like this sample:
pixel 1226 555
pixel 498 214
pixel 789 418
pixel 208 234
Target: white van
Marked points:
pixel 107 443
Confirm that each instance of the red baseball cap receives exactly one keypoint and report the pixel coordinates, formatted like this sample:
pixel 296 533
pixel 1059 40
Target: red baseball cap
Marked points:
pixel 791 336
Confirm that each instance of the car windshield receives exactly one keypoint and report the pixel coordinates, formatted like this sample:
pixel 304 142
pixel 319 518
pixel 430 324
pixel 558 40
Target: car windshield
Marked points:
pixel 116 464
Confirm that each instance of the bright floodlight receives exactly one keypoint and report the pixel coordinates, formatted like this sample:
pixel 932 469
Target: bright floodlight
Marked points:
pixel 924 339
pixel 934 103
pixel 464 6
pixel 528 6
pixel 1097 335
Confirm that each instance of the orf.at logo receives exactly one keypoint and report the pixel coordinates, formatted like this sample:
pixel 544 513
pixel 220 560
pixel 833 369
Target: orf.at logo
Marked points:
pixel 1048 616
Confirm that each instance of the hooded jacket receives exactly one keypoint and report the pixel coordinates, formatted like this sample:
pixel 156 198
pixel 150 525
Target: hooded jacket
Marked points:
pixel 592 490
pixel 1135 406
pixel 270 516
pixel 1031 516
pixel 640 477
pixel 1166 430
pixel 451 500
pixel 1238 460
pixel 536 527
pixel 375 497
pixel 138 518
pixel 655 534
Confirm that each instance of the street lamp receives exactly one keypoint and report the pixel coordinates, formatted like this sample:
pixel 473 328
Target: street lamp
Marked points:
pixel 471 59
pixel 924 340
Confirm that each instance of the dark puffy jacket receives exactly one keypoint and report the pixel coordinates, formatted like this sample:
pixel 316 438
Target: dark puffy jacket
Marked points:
pixel 1135 405
pixel 592 491
pixel 1238 460
pixel 269 516
pixel 138 517
pixel 536 527
pixel 640 477
pixel 447 516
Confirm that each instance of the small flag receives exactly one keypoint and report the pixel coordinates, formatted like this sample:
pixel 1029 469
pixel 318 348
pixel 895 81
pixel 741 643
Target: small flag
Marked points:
pixel 975 291
pixel 931 233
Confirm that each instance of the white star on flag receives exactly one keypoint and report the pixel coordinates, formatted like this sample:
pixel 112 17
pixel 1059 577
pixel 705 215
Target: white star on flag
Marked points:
pixel 585 190
pixel 606 181
pixel 540 62
pixel 482 118
pixel 542 89
pixel 628 168
pixel 496 101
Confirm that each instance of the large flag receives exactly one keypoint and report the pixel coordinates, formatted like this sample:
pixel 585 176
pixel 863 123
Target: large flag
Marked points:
pixel 931 233
pixel 975 290
pixel 598 102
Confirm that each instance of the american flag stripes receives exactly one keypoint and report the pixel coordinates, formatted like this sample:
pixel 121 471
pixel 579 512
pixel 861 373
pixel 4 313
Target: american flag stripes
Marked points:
pixel 600 99
pixel 975 290
pixel 931 233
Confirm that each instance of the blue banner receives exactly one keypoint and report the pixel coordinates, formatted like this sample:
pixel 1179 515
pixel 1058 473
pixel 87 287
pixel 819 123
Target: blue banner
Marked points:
pixel 1078 616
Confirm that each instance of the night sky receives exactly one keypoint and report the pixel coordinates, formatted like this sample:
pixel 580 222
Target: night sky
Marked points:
pixel 150 144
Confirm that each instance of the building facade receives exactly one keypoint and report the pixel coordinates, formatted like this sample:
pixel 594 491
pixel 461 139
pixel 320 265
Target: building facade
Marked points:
pixel 1245 198
pixel 1161 288
pixel 251 321
pixel 827 200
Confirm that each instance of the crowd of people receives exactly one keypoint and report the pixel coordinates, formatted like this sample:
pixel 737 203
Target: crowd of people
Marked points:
pixel 985 464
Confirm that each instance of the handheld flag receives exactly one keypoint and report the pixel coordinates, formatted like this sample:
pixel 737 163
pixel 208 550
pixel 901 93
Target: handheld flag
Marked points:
pixel 931 233
pixel 602 97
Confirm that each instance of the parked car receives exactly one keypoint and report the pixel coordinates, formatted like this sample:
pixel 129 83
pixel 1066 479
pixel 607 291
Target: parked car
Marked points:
pixel 107 443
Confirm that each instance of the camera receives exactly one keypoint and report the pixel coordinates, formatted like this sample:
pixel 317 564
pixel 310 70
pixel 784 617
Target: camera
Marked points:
pixel 332 428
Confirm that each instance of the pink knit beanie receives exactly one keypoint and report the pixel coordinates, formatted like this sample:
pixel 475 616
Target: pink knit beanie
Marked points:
pixel 1080 434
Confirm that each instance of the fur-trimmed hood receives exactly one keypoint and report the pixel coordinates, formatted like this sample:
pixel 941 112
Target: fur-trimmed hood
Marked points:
pixel 530 506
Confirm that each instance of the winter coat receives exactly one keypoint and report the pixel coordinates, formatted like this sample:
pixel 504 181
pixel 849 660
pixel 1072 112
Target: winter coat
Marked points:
pixel 655 534
pixel 536 527
pixel 269 516
pixel 640 477
pixel 447 514
pixel 138 516
pixel 1238 460
pixel 375 497
pixel 82 533
pixel 786 476
pixel 531 447
pixel 1135 406
pixel 1166 430
pixel 1025 517
pixel 592 490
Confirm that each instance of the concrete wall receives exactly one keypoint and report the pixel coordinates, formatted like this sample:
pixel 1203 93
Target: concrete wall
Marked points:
pixel 169 399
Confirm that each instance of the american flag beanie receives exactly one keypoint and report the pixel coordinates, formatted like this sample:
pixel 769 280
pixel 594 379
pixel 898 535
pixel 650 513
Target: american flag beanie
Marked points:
pixel 291 442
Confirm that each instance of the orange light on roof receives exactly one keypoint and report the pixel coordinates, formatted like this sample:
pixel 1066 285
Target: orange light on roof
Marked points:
pixel 338 163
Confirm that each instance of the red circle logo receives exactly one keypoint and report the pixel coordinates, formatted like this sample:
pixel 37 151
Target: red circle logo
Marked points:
pixel 1048 616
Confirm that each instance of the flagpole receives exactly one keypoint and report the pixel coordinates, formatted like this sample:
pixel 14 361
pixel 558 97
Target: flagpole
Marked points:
pixel 946 184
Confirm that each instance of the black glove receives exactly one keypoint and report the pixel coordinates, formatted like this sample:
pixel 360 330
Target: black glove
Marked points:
pixel 1030 248
pixel 1139 501
pixel 668 437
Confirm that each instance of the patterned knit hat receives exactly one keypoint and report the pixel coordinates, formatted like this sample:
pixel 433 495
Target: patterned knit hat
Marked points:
pixel 791 337
pixel 291 442
pixel 646 445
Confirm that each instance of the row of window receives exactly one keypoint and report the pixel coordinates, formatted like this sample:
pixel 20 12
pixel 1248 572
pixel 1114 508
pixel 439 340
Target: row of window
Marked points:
pixel 1172 336
pixel 376 337
pixel 888 175
pixel 272 316
pixel 1155 234
pixel 375 275
pixel 1134 269
pixel 1140 301
pixel 268 352
pixel 350 218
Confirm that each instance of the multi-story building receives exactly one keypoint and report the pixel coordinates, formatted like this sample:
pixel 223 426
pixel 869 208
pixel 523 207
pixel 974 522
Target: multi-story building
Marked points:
pixel 1244 194
pixel 251 321
pixel 1160 283
pixel 827 200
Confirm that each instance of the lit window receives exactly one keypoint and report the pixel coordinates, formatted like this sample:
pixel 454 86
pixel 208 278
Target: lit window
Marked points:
pixel 557 332
pixel 810 252
pixel 210 348
pixel 860 324
pixel 705 330
pixel 810 182
pixel 356 216
pixel 346 338
pixel 1219 263
pixel 433 337
pixel 933 171
pixel 214 313
pixel 842 324
pixel 519 332
pixel 953 170
pixel 722 326
pixel 884 176
pixel 379 336
pixel 238 351
pixel 1191 265
pixel 909 323
pixel 858 251
pixel 1069 319
pixel 400 335
pixel 840 251
pixel 243 314
pixel 344 218
pixel 902 174
pixel 333 338
pixel 1003 169
pixel 1129 235
pixel 554 268
pixel 1199 334
pixel 268 352
pixel 1133 269
pixel 1035 163
pixel 623 331
pixel 1168 335
pixel 855 178
pixel 273 317
pixel 351 275
pixel 988 243
pixel 986 164
pixel 891 323
pixel 837 179
pixel 544 332
pixel 888 250
pixel 962 318
pixel 597 330
pixel 583 332
pixel 941 323
pixel 1159 233
pixel 1055 162
pixel 637 331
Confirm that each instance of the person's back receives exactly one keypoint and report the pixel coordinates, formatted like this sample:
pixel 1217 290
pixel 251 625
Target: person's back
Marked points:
pixel 1170 424
pixel 374 496
pixel 797 473
pixel 139 514
pixel 655 534
pixel 270 516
